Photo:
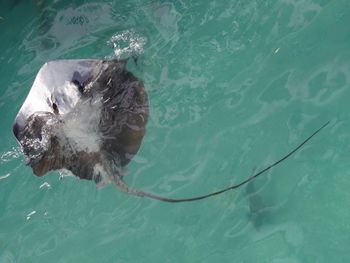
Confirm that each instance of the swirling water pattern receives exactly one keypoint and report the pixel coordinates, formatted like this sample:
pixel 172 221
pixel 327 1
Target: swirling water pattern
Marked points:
pixel 233 86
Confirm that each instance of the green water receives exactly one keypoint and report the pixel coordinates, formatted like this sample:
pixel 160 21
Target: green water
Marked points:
pixel 233 86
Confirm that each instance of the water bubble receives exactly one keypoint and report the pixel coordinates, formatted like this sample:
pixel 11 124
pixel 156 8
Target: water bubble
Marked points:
pixel 46 185
pixel 5 176
pixel 30 214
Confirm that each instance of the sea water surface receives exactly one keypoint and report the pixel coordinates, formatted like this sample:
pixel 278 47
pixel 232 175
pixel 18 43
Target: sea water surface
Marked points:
pixel 233 85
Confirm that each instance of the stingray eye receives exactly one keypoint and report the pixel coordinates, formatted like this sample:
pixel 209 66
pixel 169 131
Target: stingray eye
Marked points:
pixel 79 85
pixel 55 108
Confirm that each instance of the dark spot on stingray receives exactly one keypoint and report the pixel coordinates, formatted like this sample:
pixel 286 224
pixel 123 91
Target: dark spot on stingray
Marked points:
pixel 94 124
pixel 55 108
pixel 79 81
pixel 79 86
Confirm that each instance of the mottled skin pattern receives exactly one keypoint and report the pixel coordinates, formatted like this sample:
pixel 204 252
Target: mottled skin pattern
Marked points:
pixel 124 113
pixel 122 122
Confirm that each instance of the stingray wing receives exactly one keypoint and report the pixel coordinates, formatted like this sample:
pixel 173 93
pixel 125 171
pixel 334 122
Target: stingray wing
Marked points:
pixel 56 82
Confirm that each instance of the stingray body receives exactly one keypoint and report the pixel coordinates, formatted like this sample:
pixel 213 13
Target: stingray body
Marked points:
pixel 89 117
pixel 85 116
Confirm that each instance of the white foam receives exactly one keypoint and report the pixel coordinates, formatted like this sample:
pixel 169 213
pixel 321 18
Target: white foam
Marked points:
pixel 127 43
pixel 80 127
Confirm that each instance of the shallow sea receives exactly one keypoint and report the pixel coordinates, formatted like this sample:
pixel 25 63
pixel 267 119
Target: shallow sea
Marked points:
pixel 233 86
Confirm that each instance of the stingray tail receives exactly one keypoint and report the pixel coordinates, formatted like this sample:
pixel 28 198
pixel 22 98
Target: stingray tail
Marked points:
pixel 126 189
pixel 123 187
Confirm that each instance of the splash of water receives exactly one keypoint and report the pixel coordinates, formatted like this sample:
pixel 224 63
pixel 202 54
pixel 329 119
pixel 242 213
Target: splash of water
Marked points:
pixel 127 43
pixel 8 156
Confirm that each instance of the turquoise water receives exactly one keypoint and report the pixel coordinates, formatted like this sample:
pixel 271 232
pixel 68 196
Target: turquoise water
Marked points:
pixel 233 86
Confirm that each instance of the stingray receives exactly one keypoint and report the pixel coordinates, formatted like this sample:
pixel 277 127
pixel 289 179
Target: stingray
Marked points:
pixel 88 117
